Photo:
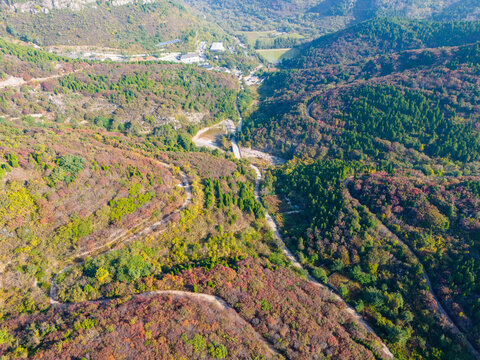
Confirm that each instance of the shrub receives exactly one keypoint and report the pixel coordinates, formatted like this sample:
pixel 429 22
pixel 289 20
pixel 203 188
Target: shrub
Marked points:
pixel 217 351
pixel 320 275
pixel 12 160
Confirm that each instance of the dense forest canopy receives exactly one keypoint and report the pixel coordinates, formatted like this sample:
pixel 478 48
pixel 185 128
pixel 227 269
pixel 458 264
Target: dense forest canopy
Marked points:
pixel 380 121
pixel 312 18
pixel 343 245
pixel 415 87
pixel 384 35
pixel 107 207
pixel 129 212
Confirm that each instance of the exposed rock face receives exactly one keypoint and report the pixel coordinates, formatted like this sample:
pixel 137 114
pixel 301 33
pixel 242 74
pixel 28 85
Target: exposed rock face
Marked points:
pixel 35 6
pixel 419 9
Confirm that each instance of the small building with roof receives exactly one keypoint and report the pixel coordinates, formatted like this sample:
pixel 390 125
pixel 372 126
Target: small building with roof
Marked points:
pixel 217 47
pixel 190 58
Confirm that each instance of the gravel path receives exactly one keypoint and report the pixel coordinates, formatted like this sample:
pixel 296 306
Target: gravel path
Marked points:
pixel 214 300
pixel 13 81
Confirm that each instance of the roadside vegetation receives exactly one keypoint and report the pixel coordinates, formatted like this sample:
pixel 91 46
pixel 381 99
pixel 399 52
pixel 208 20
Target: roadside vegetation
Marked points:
pixel 105 199
pixel 380 122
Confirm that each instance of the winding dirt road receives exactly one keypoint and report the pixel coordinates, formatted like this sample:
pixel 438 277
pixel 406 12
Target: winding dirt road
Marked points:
pixel 13 81
pixel 386 232
pixel 219 303
pixel 148 229
pixel 214 300
pixel 295 263
pixel 273 226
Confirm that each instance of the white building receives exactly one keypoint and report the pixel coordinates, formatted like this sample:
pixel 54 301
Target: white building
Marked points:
pixel 217 47
pixel 190 58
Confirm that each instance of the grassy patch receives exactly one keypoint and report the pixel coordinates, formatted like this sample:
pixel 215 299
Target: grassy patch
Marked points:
pixel 275 56
pixel 253 36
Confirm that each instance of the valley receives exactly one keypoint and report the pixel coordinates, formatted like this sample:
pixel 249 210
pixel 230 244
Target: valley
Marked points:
pixel 218 179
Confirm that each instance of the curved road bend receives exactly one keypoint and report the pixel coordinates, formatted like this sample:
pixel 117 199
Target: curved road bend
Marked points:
pixel 148 229
pixel 288 253
pixel 220 303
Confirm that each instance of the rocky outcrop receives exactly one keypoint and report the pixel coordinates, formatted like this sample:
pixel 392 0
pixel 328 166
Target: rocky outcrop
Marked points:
pixel 45 6
pixel 413 8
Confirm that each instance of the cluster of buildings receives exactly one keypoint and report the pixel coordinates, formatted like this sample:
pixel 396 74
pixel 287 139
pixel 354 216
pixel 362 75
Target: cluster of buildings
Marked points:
pixel 198 57
pixel 190 58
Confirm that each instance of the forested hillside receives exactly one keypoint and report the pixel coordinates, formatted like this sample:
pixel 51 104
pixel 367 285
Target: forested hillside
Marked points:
pixel 120 238
pixel 340 221
pixel 312 18
pixel 439 220
pixel 138 98
pixel 429 78
pixel 384 36
pixel 134 27
pixel 380 122
pixel 466 10
pixel 299 15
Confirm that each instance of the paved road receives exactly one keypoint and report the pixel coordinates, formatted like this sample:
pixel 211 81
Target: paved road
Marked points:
pixel 289 254
pixel 273 226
